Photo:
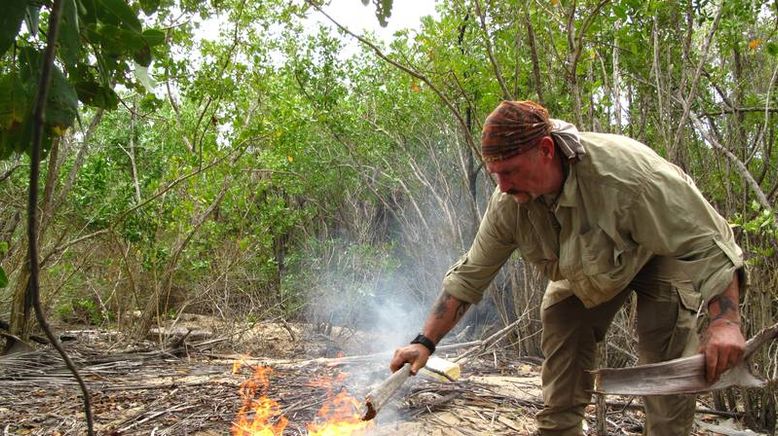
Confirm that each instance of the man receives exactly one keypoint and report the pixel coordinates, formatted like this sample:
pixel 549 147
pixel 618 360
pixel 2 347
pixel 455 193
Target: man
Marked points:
pixel 602 216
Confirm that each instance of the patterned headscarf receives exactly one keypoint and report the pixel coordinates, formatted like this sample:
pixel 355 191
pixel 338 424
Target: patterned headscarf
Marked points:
pixel 514 127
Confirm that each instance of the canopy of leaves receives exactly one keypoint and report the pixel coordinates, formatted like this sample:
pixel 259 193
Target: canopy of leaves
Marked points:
pixel 99 41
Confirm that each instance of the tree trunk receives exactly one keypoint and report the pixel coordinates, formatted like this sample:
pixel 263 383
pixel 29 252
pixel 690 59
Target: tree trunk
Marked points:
pixel 21 323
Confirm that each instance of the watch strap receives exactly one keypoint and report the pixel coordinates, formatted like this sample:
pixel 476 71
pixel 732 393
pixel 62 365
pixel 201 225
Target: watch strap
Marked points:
pixel 423 340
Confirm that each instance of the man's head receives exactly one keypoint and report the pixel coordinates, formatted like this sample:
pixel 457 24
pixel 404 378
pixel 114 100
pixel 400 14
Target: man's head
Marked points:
pixel 519 151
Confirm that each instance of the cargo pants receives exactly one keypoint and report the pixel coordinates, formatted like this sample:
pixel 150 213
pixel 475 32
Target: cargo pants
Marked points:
pixel 666 324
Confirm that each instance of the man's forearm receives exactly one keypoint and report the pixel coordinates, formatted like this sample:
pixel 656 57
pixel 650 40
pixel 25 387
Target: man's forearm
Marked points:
pixel 723 342
pixel 725 305
pixel 446 312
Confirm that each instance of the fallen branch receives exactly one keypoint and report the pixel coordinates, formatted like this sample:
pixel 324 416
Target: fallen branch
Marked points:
pixel 378 397
pixel 491 340
pixel 681 376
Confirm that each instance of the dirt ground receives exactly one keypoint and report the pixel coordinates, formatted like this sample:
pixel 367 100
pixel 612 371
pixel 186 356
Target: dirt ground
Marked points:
pixel 193 386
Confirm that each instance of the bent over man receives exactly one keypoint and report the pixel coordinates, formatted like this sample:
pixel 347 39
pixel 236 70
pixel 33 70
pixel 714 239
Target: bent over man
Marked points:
pixel 601 216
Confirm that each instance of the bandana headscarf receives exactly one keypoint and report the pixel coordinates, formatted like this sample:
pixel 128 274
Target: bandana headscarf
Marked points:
pixel 515 127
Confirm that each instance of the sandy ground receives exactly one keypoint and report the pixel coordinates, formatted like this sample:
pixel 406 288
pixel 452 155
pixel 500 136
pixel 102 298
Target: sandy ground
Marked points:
pixel 143 388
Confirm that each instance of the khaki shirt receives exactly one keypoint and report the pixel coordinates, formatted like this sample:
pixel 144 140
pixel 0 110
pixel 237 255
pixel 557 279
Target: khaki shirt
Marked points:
pixel 620 205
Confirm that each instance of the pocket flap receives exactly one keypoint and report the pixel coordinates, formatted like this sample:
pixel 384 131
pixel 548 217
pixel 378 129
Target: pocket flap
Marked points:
pixel 689 297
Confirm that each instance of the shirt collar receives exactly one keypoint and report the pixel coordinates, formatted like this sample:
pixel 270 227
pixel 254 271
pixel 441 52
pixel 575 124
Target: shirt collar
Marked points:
pixel 569 195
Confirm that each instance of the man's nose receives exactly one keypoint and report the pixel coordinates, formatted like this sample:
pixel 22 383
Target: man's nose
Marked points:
pixel 504 184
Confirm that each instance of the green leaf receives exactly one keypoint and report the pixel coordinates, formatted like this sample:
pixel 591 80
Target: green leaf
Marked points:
pixel 143 56
pixel 62 105
pixel 69 40
pixel 87 10
pixel 116 39
pixel 620 11
pixel 32 18
pixel 14 101
pixel 10 22
pixel 5 150
pixel 16 140
pixel 154 37
pixel 142 74
pixel 30 61
pixel 3 278
pixel 772 48
pixel 149 6
pixel 121 10
pixel 94 94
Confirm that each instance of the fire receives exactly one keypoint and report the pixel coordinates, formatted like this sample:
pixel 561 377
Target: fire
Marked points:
pixel 265 409
pixel 339 415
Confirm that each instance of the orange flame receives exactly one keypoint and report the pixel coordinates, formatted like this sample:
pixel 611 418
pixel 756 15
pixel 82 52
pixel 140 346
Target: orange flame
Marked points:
pixel 265 409
pixel 339 415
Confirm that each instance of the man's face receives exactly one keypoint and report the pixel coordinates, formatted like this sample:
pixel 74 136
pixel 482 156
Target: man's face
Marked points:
pixel 525 176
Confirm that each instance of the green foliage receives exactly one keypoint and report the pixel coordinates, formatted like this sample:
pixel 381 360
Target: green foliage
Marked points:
pixel 3 276
pixel 10 22
pixel 98 40
pixel 82 310
pixel 331 144
pixel 762 228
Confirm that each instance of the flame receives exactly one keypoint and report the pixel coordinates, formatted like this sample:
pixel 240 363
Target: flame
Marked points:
pixel 339 415
pixel 265 409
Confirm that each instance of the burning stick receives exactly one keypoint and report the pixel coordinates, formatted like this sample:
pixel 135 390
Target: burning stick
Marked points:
pixel 379 396
pixel 376 399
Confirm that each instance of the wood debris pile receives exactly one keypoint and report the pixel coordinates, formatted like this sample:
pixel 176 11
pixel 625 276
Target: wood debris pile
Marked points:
pixel 190 391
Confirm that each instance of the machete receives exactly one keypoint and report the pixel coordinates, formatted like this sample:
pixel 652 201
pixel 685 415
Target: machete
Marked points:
pixel 681 376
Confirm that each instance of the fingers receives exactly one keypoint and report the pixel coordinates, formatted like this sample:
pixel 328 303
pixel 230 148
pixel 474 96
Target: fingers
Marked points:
pixel 711 364
pixel 723 349
pixel 719 360
pixel 417 365
pixel 397 361
pixel 415 354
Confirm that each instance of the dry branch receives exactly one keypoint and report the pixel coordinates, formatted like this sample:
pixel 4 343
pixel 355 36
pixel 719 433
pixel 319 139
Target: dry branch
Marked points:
pixel 681 376
pixel 378 397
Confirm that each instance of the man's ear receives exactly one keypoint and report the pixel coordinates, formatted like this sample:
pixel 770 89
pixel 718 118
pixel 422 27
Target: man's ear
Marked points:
pixel 546 147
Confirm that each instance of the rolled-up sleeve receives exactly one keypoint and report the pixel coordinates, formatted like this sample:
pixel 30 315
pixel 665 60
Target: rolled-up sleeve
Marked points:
pixel 469 277
pixel 670 217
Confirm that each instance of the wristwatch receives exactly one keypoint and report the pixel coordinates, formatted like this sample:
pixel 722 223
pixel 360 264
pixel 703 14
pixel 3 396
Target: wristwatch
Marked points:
pixel 423 340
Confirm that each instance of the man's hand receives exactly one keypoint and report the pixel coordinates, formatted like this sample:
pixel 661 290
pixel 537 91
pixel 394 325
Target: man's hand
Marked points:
pixel 415 354
pixel 446 312
pixel 723 342
pixel 723 346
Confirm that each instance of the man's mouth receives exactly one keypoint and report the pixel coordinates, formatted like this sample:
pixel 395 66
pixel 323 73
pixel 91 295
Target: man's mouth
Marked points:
pixel 520 196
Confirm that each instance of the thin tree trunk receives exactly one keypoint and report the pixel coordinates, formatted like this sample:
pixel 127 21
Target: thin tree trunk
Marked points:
pixel 673 152
pixel 538 82
pixel 616 82
pixel 506 94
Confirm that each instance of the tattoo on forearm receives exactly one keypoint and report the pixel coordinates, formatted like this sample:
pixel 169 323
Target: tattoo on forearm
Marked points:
pixel 726 306
pixel 441 305
pixel 461 309
pixel 445 300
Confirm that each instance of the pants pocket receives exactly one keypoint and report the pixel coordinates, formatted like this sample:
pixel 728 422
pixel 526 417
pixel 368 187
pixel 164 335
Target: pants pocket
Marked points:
pixel 667 321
